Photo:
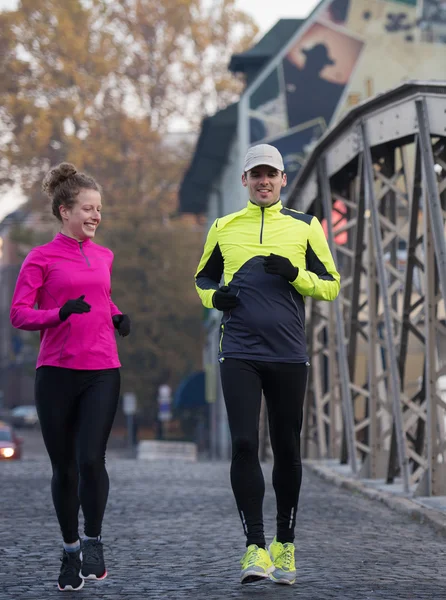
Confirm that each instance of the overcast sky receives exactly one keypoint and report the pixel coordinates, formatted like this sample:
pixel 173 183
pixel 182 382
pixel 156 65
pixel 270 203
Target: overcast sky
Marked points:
pixel 265 12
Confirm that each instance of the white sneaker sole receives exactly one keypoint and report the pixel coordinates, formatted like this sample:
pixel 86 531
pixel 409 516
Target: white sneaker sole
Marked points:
pixel 282 581
pixel 85 577
pixel 69 588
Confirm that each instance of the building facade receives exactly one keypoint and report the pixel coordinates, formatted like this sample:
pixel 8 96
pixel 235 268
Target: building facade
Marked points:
pixel 302 78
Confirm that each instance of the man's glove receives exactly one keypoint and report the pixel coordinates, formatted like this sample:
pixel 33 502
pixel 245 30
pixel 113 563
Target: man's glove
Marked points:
pixel 279 265
pixel 223 299
pixel 77 307
pixel 122 324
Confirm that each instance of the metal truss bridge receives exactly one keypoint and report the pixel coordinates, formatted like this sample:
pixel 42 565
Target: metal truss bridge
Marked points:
pixel 376 395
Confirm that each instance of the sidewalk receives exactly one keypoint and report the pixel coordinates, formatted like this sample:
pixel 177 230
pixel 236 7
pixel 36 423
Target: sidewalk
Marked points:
pixel 430 510
pixel 172 532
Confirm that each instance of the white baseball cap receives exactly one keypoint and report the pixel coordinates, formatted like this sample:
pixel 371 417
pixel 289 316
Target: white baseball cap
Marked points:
pixel 263 154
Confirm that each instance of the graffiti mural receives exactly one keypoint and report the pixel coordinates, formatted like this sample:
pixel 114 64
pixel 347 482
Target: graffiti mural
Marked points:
pixel 348 51
pixel 321 61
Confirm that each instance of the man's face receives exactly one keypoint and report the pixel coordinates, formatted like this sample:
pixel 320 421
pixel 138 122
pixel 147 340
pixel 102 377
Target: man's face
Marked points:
pixel 264 184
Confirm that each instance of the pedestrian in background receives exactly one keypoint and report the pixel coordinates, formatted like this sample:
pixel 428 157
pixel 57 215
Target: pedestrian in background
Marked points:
pixel 64 291
pixel 271 258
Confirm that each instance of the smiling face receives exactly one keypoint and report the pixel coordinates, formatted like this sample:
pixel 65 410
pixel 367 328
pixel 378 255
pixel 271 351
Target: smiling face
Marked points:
pixel 81 221
pixel 264 184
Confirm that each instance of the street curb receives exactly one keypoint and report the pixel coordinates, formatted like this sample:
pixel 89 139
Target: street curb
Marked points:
pixel 421 514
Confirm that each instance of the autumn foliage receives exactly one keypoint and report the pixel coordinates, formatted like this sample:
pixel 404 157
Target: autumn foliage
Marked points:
pixel 102 84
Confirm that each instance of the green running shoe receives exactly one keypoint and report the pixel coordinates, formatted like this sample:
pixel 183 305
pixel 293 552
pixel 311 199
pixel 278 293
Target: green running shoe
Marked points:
pixel 283 558
pixel 256 564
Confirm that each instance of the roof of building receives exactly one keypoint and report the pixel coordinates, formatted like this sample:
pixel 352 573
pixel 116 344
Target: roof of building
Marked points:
pixel 267 47
pixel 17 216
pixel 210 156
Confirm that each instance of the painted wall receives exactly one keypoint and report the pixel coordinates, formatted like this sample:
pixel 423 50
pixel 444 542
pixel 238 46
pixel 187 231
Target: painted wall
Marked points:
pixel 347 52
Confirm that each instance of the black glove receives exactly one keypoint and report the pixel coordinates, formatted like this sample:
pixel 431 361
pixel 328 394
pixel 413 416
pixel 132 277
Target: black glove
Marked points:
pixel 279 265
pixel 223 299
pixel 77 307
pixel 122 324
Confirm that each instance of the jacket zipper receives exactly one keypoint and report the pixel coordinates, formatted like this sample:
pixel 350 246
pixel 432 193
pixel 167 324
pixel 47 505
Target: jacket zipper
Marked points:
pixel 263 220
pixel 83 254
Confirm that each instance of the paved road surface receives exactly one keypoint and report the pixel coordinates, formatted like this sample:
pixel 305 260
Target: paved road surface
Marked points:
pixel 172 532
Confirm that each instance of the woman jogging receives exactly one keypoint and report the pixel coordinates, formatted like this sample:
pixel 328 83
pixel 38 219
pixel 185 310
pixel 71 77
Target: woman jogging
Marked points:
pixel 63 290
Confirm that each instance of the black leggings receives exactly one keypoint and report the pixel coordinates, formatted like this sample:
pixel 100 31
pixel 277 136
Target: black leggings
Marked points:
pixel 76 411
pixel 284 386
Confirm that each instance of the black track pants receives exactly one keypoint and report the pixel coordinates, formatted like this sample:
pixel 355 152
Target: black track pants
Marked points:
pixel 283 385
pixel 76 411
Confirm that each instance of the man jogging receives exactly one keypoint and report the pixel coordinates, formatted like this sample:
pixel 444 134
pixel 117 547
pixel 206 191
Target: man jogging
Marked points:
pixel 271 257
pixel 63 290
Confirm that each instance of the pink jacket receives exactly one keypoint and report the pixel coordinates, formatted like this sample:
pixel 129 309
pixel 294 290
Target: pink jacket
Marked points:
pixel 51 274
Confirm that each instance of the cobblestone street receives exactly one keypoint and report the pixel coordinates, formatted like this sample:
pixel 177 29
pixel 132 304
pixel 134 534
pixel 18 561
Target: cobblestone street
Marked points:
pixel 171 531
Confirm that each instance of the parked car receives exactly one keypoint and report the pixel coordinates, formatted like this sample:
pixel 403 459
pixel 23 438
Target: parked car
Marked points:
pixel 10 443
pixel 24 416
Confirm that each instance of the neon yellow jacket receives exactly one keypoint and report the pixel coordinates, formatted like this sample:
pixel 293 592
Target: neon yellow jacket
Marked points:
pixel 269 322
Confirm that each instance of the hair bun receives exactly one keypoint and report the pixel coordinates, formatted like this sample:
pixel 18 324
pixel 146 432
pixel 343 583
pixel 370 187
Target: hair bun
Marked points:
pixel 56 176
pixel 66 170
